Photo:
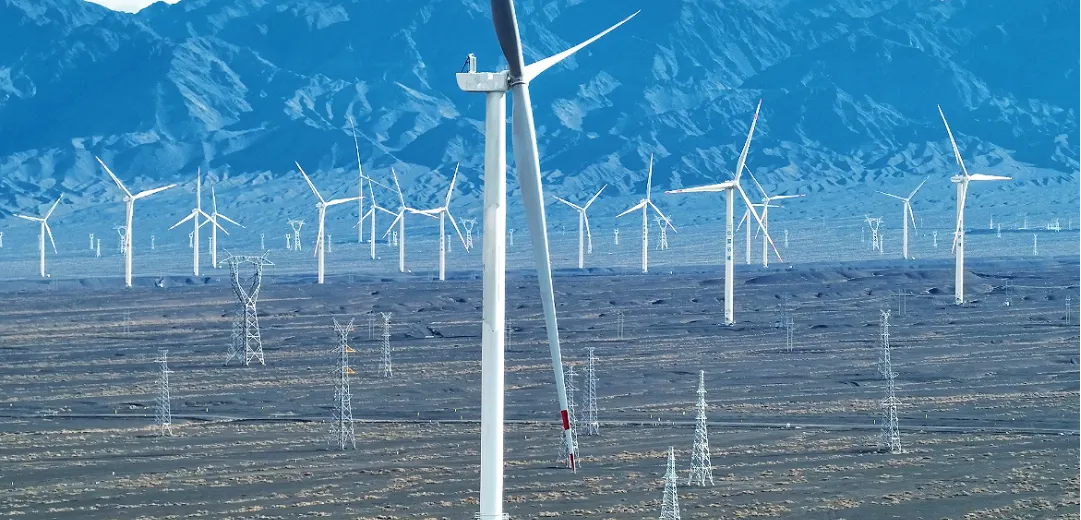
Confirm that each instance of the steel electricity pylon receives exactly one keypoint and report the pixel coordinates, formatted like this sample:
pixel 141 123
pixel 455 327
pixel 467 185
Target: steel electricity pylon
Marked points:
pixel 342 433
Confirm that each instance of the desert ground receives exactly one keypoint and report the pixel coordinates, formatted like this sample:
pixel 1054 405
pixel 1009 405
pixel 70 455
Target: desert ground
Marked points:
pixel 989 395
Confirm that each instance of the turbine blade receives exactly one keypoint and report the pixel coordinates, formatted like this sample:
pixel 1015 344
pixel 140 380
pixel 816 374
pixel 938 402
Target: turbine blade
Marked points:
pixel 589 236
pixel 913 194
pixel 754 213
pixel 658 210
pixel 401 198
pixel 53 208
pixel 185 219
pixel 217 225
pixel 213 200
pixel 506 31
pixel 711 188
pixel 742 220
pixel 953 143
pixel 309 181
pixel 456 229
pixel 450 189
pixel 356 144
pixel 760 188
pixel 31 219
pixel 747 145
pixel 336 202
pixel 985 177
pixel 147 193
pixel 50 232
pixel 533 70
pixel 527 164
pixel 571 204
pixel 111 174
pixel 782 197
pixel 649 177
pixel 633 208
pixel 595 197
pixel 908 205
pixel 890 195
pixel 397 217
pixel 229 220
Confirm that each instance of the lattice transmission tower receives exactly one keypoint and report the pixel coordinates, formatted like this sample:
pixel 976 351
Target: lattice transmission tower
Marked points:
pixel 248 344
pixel 889 439
pixel 593 425
pixel 386 367
pixel 670 502
pixel 341 428
pixel 296 225
pixel 701 467
pixel 163 407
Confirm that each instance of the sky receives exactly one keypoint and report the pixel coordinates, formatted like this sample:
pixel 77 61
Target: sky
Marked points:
pixel 130 6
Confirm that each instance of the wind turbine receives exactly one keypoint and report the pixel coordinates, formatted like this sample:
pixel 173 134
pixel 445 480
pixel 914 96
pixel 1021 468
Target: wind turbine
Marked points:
pixel 959 232
pixel 399 219
pixel 583 226
pixel 194 215
pixel 644 205
pixel 906 215
pixel 763 224
pixel 495 85
pixel 214 216
pixel 322 205
pixel 44 221
pixel 372 212
pixel 444 212
pixel 129 201
pixel 730 188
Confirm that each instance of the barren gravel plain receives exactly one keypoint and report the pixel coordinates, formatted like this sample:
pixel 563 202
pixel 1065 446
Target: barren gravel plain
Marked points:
pixel 989 393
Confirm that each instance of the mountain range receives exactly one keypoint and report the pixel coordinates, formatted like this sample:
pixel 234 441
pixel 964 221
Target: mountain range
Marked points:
pixel 243 88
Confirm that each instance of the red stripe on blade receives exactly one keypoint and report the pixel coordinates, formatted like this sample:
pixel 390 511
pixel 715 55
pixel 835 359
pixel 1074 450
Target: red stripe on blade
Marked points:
pixel 566 420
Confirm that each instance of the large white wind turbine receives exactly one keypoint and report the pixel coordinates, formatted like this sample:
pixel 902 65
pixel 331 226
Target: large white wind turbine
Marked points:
pixel 959 232
pixel 196 212
pixel 583 226
pixel 129 202
pixel 322 205
pixel 524 134
pixel 730 188
pixel 44 221
pixel 399 219
pixel 906 215
pixel 644 205
pixel 444 212
pixel 214 216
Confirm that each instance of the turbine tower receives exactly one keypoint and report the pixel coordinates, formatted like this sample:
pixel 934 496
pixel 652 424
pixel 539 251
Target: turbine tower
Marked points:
pixel 906 215
pixel 670 502
pixel 322 205
pixel 444 212
pixel 196 212
pixel 730 188
pixel 129 202
pixel 399 219
pixel 342 433
pixel 163 402
pixel 44 221
pixel 701 468
pixel 527 162
pixel 644 205
pixel 959 231
pixel 583 226
pixel 763 224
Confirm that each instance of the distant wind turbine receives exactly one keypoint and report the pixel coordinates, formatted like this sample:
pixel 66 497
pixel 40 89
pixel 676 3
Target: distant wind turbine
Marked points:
pixel 906 215
pixel 322 205
pixel 44 221
pixel 644 205
pixel 196 212
pixel 399 219
pixel 129 202
pixel 444 212
pixel 583 226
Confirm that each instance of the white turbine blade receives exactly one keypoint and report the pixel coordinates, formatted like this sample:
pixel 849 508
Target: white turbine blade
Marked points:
pixel 456 230
pixel 985 177
pixel 185 219
pixel 910 215
pixel 360 170
pixel 31 219
pixel 147 193
pixel 217 225
pixel 758 218
pixel 890 195
pixel 115 179
pixel 913 194
pixel 535 69
pixel 953 143
pixel 50 233
pixel 571 204
pixel 401 198
pixel 199 188
pixel 229 220
pixel 335 202
pixel 760 188
pixel 961 208
pixel 782 197
pixel 397 217
pixel 747 145
pixel 710 188
pixel 649 177
pixel 589 236
pixel 633 208
pixel 387 211
pixel 594 197
pixel 450 189
pixel 742 220
pixel 527 164
pixel 658 210
pixel 213 200
pixel 53 208
pixel 309 181
pixel 377 183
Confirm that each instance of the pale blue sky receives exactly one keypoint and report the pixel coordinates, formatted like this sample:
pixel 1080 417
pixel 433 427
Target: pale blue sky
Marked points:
pixel 130 6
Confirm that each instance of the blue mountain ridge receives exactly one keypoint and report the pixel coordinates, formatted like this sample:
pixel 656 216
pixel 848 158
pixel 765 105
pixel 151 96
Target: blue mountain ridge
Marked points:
pixel 243 88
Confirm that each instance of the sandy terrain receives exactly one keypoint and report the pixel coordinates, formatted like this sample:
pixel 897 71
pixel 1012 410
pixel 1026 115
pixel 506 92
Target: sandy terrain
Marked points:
pixel 989 393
